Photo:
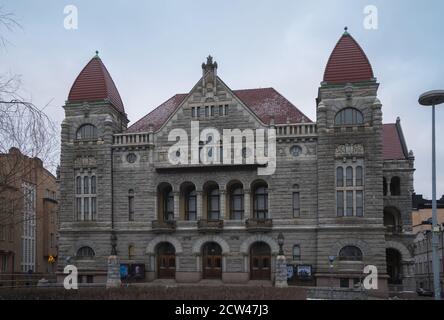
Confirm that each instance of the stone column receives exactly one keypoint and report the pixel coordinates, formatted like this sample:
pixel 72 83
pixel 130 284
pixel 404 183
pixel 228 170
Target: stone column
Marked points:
pixel 247 207
pixel 199 204
pixel 281 272
pixel 176 205
pixel 113 276
pixel 408 276
pixel 222 198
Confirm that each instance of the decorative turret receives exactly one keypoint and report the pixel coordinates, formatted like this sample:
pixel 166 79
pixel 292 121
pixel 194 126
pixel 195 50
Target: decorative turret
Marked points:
pixel 94 84
pixel 347 63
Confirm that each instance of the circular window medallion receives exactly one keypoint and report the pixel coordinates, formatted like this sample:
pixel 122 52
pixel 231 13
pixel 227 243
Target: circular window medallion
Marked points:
pixel 295 151
pixel 131 157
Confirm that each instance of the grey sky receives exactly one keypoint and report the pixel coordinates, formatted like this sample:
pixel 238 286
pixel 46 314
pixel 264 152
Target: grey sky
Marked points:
pixel 154 49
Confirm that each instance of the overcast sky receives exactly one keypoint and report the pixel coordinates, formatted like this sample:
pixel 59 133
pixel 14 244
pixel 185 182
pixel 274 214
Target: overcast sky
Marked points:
pixel 154 49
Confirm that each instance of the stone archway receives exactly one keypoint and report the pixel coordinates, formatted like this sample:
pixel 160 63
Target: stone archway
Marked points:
pixel 245 246
pixel 151 248
pixel 400 265
pixel 197 247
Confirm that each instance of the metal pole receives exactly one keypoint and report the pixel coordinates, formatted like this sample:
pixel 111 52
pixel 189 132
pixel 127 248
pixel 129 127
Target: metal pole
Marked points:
pixel 435 244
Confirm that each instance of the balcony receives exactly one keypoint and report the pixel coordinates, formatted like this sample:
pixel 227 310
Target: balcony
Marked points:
pixel 210 225
pixel 259 225
pixel 159 226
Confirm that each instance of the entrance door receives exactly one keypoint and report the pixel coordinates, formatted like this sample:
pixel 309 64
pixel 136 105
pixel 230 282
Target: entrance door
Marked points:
pixel 166 261
pixel 394 266
pixel 260 261
pixel 212 261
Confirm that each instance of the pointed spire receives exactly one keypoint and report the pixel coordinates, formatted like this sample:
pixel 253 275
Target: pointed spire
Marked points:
pixel 348 63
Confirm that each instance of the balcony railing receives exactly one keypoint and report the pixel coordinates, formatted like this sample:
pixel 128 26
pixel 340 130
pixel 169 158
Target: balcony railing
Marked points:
pixel 129 139
pixel 160 226
pixel 259 225
pixel 210 225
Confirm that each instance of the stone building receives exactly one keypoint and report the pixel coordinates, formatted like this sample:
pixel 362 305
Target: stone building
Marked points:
pixel 421 221
pixel 28 218
pixel 341 186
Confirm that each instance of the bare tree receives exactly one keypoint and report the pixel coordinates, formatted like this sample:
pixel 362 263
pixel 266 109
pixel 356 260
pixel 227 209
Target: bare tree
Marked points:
pixel 24 128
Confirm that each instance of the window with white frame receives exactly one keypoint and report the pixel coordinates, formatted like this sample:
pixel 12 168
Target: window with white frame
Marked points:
pixel 350 189
pixel 29 228
pixel 86 196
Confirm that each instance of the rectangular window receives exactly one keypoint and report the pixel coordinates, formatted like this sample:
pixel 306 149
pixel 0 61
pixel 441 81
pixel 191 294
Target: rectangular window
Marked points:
pixel 359 204
pixel 93 208
pixel 296 204
pixel 89 279
pixel 193 112
pixel 212 111
pixel 296 252
pixel 198 112
pixel 131 208
pixel 340 203
pixel 93 185
pixel 79 185
pixel 206 111
pixel 226 109
pixel 344 282
pixel 86 209
pixel 4 263
pixel 86 185
pixel 221 110
pixel 349 211
pixel 79 209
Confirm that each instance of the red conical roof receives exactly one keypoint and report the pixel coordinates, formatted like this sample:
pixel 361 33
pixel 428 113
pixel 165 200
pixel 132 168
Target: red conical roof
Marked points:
pixel 348 63
pixel 95 83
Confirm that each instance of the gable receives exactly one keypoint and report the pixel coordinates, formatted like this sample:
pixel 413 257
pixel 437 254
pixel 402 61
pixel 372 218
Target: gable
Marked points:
pixel 265 103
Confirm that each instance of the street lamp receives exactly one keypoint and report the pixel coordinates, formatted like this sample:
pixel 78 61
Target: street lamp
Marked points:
pixel 434 98
pixel 281 243
pixel 331 259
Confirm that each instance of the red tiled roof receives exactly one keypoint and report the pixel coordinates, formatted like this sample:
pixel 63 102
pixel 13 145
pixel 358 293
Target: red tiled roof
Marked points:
pixel 158 116
pixel 265 103
pixel 347 63
pixel 391 143
pixel 95 83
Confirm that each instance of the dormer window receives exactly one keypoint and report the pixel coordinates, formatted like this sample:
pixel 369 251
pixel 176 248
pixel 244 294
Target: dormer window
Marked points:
pixel 86 132
pixel 348 117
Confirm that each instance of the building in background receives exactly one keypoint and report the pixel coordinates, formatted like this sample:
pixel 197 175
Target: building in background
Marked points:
pixel 422 226
pixel 28 218
pixel 342 185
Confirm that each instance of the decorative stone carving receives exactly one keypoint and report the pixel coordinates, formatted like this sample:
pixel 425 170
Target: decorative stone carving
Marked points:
pixel 349 150
pixel 85 161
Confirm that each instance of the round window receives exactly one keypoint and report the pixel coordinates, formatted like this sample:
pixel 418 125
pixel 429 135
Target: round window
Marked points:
pixel 295 151
pixel 131 157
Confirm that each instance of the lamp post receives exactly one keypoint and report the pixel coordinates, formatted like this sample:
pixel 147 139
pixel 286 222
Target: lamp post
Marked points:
pixel 434 98
pixel 280 239
pixel 331 259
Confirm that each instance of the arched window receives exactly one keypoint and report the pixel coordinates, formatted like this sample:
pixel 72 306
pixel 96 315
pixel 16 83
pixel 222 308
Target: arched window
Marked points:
pixel 190 205
pixel 86 185
pixel 359 176
pixel 79 185
pixel 384 186
pixel 213 204
pixel 87 132
pixel 350 253
pixel 349 116
pixel 339 177
pixel 260 202
pixel 349 177
pixel 237 203
pixel 85 252
pixel 395 186
pixel 168 213
pixel 296 252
